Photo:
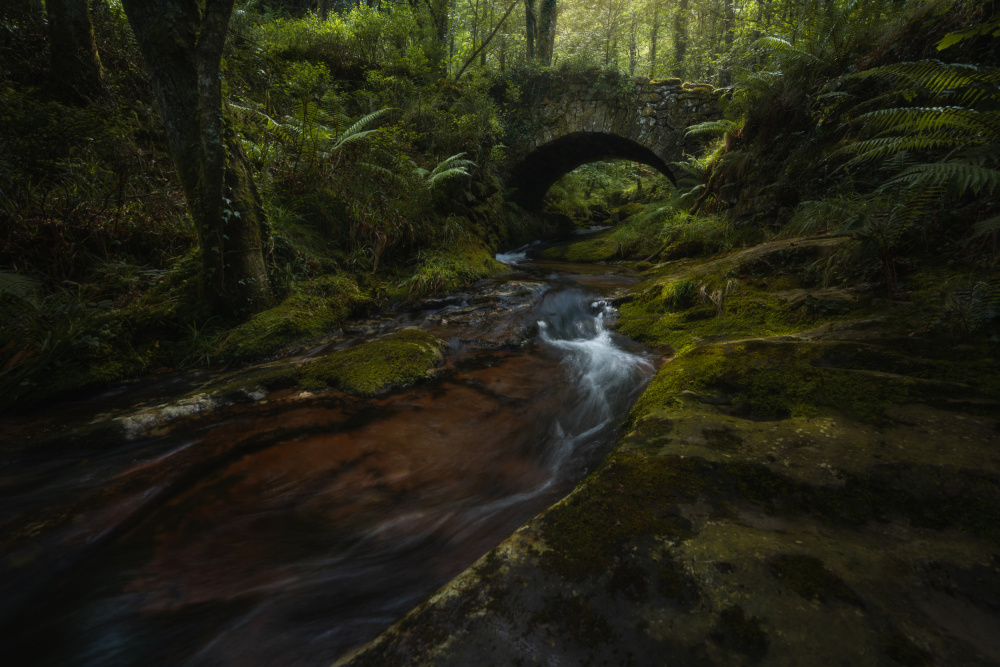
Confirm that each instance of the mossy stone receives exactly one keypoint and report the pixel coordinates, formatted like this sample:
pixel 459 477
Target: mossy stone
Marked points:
pixel 807 576
pixel 397 359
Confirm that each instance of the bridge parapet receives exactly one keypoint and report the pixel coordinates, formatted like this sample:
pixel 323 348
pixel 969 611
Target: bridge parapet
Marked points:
pixel 565 124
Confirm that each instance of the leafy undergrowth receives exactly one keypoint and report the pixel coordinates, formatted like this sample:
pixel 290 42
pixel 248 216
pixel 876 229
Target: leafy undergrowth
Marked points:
pixel 448 269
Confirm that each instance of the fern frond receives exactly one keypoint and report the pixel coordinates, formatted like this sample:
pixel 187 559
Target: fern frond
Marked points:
pixel 886 147
pixel 784 51
pixel 713 128
pixel 840 213
pixel 17 285
pixel 379 169
pixel 960 83
pixel 357 131
pixel 957 175
pixel 984 227
pixel 904 120
pixel 447 168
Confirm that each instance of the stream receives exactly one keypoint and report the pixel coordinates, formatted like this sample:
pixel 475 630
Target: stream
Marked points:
pixel 294 529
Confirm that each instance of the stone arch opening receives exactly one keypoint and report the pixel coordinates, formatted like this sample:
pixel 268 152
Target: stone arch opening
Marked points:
pixel 541 168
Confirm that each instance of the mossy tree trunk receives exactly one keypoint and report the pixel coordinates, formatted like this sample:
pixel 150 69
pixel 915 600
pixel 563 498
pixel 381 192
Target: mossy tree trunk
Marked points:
pixel 75 67
pixel 181 42
pixel 540 29
pixel 680 37
pixel 545 31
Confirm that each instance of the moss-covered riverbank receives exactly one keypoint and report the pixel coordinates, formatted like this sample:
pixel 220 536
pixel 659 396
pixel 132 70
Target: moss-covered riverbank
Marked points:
pixel 814 477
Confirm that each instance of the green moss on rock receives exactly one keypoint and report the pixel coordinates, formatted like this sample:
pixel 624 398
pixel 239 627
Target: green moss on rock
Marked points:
pixel 631 498
pixel 807 576
pixel 598 247
pixel 396 359
pixel 449 269
pixel 767 380
pixel 315 311
pixel 735 631
pixel 587 626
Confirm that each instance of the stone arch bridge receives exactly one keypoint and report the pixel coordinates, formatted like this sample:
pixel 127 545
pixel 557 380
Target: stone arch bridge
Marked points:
pixel 561 125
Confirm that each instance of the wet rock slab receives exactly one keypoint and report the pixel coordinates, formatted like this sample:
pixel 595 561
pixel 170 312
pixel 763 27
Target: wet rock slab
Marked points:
pixel 830 496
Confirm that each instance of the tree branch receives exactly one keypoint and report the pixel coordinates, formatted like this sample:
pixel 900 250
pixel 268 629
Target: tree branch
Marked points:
pixel 486 42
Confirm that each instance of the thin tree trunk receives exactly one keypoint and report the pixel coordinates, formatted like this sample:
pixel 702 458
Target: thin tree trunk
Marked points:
pixel 545 31
pixel 654 31
pixel 75 66
pixel 182 46
pixel 633 44
pixel 529 28
pixel 728 37
pixel 482 53
pixel 680 37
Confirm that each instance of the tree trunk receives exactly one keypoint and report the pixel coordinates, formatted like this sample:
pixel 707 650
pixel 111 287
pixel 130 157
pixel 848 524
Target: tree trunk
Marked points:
pixel 728 37
pixel 654 31
pixel 529 28
pixel 633 44
pixel 545 31
pixel 182 43
pixel 680 37
pixel 75 67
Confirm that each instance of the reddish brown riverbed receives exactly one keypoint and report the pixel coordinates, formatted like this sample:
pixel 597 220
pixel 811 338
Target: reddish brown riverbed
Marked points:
pixel 291 530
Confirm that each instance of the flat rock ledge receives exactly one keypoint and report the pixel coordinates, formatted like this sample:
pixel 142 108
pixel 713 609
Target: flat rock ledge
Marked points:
pixel 824 498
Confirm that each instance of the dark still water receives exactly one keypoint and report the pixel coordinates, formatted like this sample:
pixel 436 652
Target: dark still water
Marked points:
pixel 292 530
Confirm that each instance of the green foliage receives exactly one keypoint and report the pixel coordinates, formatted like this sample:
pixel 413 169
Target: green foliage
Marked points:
pixel 932 158
pixel 713 128
pixel 449 167
pixel 972 309
pixel 399 40
pixel 449 269
pixel 41 334
pixel 718 297
pixel 680 295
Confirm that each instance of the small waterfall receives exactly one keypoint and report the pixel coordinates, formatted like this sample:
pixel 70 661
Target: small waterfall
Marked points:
pixel 604 376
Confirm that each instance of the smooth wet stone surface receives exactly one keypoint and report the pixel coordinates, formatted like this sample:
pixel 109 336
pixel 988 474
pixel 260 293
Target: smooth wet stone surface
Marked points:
pixel 268 516
pixel 829 496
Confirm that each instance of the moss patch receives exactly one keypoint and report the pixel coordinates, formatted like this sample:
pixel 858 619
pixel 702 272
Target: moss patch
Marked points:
pixel 315 311
pixel 676 584
pixel 735 631
pixel 926 496
pixel 807 576
pixel 631 498
pixel 586 626
pixel 393 360
pixel 767 380
pixel 670 315
pixel 448 269
pixel 597 247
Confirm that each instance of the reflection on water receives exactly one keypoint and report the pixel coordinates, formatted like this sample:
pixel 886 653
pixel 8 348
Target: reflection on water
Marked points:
pixel 291 532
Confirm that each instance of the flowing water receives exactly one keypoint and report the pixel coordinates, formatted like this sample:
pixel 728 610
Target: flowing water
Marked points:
pixel 291 530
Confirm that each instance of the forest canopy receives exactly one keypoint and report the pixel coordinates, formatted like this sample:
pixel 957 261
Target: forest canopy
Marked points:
pixel 216 189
